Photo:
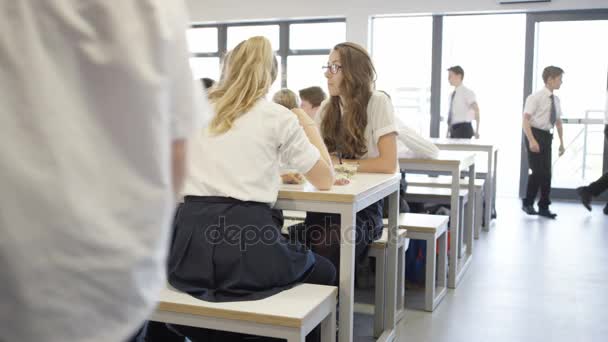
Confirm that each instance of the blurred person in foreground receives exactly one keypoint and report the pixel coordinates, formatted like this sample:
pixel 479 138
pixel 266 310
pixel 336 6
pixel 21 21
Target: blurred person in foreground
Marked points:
pixel 92 155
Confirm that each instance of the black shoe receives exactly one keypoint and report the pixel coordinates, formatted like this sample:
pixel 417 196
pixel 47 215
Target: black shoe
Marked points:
pixel 546 213
pixel 585 195
pixel 606 209
pixel 528 209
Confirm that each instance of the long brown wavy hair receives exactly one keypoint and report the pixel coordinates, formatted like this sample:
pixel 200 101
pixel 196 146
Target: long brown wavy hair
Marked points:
pixel 346 133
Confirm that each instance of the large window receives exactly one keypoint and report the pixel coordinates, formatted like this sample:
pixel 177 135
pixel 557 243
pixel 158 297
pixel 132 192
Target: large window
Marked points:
pixel 202 40
pixel 402 52
pixel 237 34
pixel 301 48
pixel 203 45
pixel 492 59
pixel 309 47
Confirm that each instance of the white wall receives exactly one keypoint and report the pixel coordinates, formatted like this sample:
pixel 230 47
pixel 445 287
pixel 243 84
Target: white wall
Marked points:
pixel 358 12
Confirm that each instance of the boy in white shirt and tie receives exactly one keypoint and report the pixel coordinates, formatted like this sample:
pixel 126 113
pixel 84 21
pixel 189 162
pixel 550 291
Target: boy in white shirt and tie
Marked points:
pixel 542 112
pixel 463 107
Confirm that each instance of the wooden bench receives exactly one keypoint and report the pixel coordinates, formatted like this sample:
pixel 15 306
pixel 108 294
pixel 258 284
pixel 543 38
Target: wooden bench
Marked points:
pixel 290 314
pixel 294 215
pixel 378 251
pixel 433 230
pixel 420 180
pixel 438 195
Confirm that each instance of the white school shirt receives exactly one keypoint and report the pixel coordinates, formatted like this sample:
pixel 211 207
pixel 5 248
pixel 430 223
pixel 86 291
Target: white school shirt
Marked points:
pixel 380 121
pixel 93 94
pixel 410 144
pixel 462 110
pixel 538 105
pixel 243 163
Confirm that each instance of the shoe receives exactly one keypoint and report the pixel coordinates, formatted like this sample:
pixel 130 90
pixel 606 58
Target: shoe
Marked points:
pixel 528 209
pixel 585 195
pixel 606 209
pixel 547 213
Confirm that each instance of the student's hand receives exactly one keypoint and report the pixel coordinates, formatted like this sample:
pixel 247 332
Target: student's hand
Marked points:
pixel 292 178
pixel 562 149
pixel 341 181
pixel 534 146
pixel 476 135
pixel 334 159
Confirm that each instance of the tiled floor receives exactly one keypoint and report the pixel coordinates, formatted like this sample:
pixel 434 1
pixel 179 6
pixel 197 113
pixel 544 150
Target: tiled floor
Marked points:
pixel 532 279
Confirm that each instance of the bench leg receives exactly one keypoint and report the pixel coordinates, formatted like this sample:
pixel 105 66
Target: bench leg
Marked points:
pixel 431 266
pixel 401 277
pixel 443 260
pixel 478 213
pixel 468 227
pixel 465 220
pixel 379 294
pixel 328 326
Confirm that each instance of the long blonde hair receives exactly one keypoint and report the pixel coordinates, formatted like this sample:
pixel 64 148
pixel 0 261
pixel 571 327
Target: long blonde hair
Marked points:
pixel 346 134
pixel 249 71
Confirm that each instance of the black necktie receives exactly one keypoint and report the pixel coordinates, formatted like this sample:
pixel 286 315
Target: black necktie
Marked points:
pixel 553 110
pixel 451 112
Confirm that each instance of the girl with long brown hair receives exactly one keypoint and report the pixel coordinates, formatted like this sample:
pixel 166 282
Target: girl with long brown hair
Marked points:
pixel 358 126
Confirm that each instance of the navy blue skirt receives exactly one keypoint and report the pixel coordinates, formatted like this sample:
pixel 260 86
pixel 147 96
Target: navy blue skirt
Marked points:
pixel 322 233
pixel 224 249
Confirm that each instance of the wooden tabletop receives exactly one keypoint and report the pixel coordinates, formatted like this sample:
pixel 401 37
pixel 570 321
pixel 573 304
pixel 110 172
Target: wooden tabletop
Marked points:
pixel 432 191
pixel 444 158
pixel 288 308
pixel 425 180
pixel 360 186
pixel 422 222
pixel 463 142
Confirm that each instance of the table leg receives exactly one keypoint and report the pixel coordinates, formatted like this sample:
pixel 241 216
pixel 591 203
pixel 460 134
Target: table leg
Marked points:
pixel 495 169
pixel 347 274
pixel 468 229
pixel 391 264
pixel 489 193
pixel 454 220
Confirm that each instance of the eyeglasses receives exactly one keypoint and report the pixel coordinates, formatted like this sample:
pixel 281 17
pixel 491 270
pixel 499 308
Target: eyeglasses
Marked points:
pixel 333 69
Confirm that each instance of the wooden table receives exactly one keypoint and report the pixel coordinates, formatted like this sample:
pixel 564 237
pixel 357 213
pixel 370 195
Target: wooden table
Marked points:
pixel 452 163
pixel 364 190
pixel 476 145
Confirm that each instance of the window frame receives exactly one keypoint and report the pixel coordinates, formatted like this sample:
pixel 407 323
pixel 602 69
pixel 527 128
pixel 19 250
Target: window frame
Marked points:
pixel 284 50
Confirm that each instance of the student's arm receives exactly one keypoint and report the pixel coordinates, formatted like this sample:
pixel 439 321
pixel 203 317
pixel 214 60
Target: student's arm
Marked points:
pixel 386 162
pixel 418 144
pixel 186 101
pixel 312 132
pixel 178 164
pixel 560 133
pixel 322 173
pixel 476 109
pixel 528 132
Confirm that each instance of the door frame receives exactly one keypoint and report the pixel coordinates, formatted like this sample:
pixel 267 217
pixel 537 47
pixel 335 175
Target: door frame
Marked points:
pixel 532 19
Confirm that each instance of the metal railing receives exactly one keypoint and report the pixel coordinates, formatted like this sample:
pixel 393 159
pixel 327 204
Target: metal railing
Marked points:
pixel 586 121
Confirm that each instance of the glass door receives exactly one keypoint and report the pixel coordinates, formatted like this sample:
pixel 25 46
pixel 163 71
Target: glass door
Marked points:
pixel 575 42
